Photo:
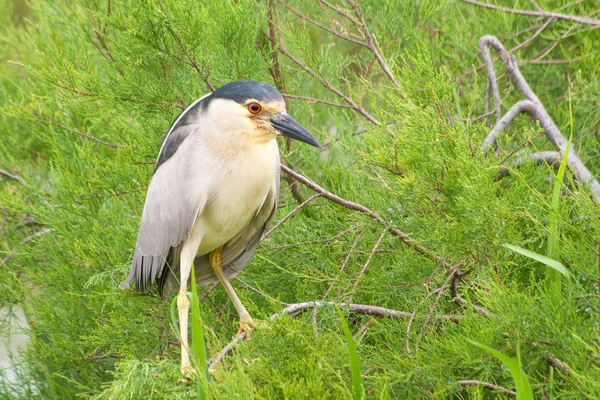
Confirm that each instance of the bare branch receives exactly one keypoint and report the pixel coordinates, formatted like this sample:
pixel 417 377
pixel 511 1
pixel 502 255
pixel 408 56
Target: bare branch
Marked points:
pixel 28 239
pixel 552 158
pixel 83 135
pixel 364 268
pixel 315 100
pixel 329 86
pixel 298 308
pixel 471 382
pixel 371 214
pixel 12 176
pixel 371 44
pixel 291 214
pixel 317 24
pixel 536 110
pixel 542 14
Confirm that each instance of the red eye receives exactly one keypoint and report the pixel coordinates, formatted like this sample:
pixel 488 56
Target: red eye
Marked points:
pixel 254 108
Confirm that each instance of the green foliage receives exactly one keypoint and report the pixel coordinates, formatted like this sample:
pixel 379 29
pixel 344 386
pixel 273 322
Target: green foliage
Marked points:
pixel 524 391
pixel 358 391
pixel 87 90
pixel 198 348
pixel 555 265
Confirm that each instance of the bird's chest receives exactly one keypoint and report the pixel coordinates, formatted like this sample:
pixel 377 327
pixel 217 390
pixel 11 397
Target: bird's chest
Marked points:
pixel 242 185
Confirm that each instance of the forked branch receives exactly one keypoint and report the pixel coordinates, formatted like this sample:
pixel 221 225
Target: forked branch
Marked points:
pixel 534 108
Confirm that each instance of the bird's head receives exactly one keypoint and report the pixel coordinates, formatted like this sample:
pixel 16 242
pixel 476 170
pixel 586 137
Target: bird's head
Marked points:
pixel 254 109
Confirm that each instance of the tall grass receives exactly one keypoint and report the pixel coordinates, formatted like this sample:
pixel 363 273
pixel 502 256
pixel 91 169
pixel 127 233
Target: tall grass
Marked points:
pixel 524 391
pixel 198 349
pixel 553 282
pixel 358 391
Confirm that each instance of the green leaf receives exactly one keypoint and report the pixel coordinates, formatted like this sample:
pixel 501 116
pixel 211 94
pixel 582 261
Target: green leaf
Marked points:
pixel 198 348
pixel 358 391
pixel 556 265
pixel 524 391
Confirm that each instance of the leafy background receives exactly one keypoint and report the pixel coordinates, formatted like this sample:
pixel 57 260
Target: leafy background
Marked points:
pixel 88 90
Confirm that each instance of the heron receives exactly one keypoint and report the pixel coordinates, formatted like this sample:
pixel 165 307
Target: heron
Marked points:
pixel 212 195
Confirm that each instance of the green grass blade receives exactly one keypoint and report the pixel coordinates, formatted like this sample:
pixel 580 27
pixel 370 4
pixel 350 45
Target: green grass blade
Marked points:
pixel 524 391
pixel 549 262
pixel 198 348
pixel 358 391
pixel 553 283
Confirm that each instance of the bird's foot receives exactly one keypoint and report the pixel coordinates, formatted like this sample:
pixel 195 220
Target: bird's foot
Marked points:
pixel 247 324
pixel 188 372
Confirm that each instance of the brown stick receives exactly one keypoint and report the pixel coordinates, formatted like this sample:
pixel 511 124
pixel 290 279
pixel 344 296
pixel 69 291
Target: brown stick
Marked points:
pixel 291 214
pixel 371 214
pixel 83 135
pixel 298 308
pixel 28 239
pixel 12 176
pixel 364 268
pixel 329 86
pixel 489 386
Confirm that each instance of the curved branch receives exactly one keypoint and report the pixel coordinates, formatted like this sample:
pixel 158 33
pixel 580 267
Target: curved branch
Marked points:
pixel 539 13
pixel 535 109
pixel 298 308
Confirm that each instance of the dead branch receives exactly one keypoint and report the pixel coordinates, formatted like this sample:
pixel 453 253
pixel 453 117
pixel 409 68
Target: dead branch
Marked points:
pixel 364 268
pixel 315 100
pixel 291 214
pixel 296 309
pixel 489 386
pixel 534 108
pixel 83 135
pixel 325 28
pixel 551 158
pixel 371 214
pixel 28 239
pixel 329 86
pixel 539 13
pixel 266 296
pixel 12 176
pixel 324 240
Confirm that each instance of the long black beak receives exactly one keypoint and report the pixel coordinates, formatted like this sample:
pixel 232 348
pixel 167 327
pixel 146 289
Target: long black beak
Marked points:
pixel 289 127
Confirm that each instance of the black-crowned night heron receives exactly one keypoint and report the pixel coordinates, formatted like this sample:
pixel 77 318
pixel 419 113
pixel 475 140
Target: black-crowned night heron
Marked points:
pixel 213 193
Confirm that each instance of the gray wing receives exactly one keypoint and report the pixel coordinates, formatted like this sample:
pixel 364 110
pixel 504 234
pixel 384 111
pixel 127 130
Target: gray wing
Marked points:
pixel 169 213
pixel 237 252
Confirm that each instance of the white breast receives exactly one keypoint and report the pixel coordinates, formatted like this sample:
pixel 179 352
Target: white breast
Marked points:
pixel 238 184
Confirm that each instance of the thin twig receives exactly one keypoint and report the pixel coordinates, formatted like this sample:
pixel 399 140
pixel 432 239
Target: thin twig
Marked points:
pixel 542 14
pixel 535 109
pixel 329 86
pixel 371 44
pixel 371 214
pixel 298 308
pixel 489 386
pixel 325 240
pixel 290 214
pixel 12 176
pixel 364 268
pixel 315 100
pixel 28 239
pixel 325 28
pixel 83 135
pixel 255 290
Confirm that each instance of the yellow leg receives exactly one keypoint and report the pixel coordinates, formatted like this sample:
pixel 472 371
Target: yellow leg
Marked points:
pixel 183 307
pixel 246 321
